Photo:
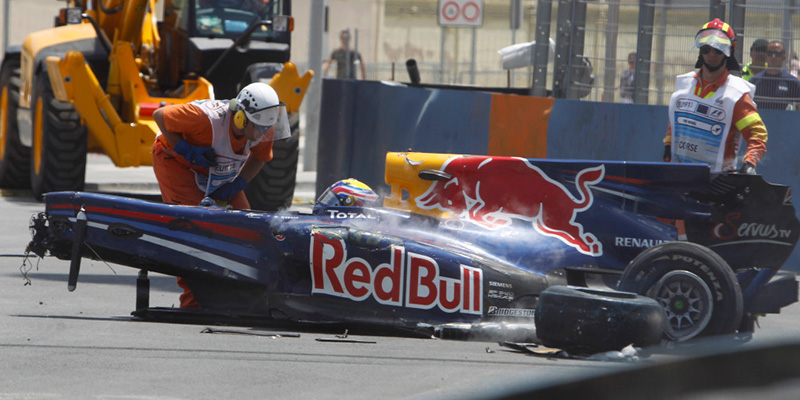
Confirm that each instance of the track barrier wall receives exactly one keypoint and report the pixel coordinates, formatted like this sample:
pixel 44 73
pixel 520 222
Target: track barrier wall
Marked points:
pixel 361 121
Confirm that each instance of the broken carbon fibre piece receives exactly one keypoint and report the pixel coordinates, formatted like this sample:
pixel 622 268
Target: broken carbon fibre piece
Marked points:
pixel 243 332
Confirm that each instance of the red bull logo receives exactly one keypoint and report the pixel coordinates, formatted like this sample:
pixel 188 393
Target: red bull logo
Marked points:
pixel 491 192
pixel 406 280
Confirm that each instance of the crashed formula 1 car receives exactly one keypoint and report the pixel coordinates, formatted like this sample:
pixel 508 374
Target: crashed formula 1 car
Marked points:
pixel 580 250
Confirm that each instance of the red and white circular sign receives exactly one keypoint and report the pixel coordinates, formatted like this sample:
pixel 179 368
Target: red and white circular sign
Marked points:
pixel 461 13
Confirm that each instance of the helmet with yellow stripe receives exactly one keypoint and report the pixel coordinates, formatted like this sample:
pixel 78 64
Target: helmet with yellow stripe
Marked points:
pixel 350 193
pixel 718 35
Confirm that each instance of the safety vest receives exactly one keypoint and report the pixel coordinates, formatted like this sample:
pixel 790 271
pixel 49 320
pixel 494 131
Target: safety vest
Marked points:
pixel 747 72
pixel 700 127
pixel 228 162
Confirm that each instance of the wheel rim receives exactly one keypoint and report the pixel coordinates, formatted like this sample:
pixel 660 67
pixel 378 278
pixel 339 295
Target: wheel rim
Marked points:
pixel 3 122
pixel 687 303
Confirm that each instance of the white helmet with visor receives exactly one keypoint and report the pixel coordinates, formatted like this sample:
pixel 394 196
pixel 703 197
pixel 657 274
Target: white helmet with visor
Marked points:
pixel 261 107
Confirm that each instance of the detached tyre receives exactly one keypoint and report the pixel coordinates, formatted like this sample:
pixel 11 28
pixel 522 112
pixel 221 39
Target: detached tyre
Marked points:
pixel 695 286
pixel 58 154
pixel 273 188
pixel 586 321
pixel 14 157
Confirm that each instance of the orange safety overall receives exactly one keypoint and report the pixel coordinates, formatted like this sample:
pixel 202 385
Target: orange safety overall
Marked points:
pixel 175 175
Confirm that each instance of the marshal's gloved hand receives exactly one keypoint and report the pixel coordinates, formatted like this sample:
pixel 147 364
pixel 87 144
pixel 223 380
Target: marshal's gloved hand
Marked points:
pixel 204 157
pixel 747 168
pixel 226 192
pixel 667 153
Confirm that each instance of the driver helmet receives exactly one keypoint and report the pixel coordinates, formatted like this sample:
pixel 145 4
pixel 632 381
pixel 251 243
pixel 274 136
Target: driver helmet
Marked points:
pixel 350 193
pixel 719 35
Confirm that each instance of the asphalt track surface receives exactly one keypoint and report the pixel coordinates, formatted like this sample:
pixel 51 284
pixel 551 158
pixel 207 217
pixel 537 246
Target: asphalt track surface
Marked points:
pixel 85 344
pixel 56 344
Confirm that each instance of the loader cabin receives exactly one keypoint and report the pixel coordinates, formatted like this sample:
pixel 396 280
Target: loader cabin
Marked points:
pixel 216 39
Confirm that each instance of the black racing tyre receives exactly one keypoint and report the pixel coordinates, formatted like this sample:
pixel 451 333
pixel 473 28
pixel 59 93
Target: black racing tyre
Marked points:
pixel 695 286
pixel 273 188
pixel 586 321
pixel 58 154
pixel 14 157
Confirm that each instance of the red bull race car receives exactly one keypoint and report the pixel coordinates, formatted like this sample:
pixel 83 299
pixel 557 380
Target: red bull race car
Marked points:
pixel 575 254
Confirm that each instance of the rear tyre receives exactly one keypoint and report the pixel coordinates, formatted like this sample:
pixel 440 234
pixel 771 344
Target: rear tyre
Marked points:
pixel 14 157
pixel 58 154
pixel 587 321
pixel 695 286
pixel 273 188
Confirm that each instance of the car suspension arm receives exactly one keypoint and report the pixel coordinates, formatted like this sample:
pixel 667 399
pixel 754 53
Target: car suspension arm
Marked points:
pixel 77 242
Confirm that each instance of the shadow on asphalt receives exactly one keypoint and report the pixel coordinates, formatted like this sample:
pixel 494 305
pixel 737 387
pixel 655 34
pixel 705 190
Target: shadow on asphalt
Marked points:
pixel 157 282
pixel 83 318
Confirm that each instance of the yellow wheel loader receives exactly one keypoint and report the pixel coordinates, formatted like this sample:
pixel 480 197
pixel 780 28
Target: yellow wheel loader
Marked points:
pixel 92 82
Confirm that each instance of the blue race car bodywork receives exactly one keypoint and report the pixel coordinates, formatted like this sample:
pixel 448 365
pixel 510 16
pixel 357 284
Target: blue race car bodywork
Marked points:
pixel 459 239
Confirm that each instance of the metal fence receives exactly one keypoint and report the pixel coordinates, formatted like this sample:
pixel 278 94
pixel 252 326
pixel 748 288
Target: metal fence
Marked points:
pixel 603 32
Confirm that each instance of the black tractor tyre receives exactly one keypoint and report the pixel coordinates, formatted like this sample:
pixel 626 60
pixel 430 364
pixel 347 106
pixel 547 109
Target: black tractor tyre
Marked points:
pixel 273 188
pixel 695 286
pixel 58 153
pixel 586 321
pixel 14 157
